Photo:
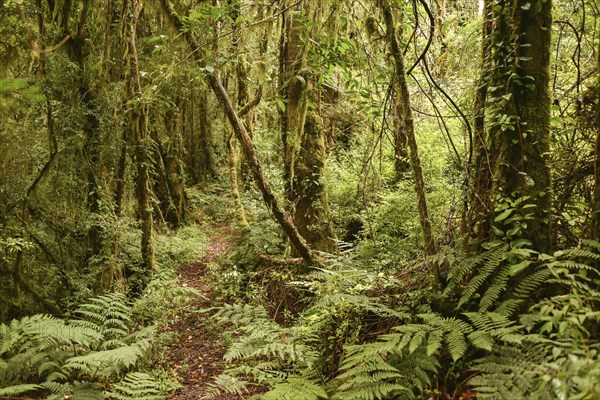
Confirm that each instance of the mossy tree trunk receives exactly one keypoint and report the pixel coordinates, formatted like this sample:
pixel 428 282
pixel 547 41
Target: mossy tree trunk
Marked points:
pixel 519 111
pixel 595 231
pixel 401 157
pixel 408 127
pixel 302 133
pixel 77 48
pixel 311 212
pixel 233 152
pixel 138 131
pixel 475 221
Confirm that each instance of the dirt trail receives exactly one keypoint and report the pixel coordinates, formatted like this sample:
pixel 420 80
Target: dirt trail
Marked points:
pixel 196 354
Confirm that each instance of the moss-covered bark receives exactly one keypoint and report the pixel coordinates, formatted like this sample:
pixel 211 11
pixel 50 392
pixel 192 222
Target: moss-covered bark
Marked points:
pixel 138 128
pixel 408 127
pixel 596 197
pixel 519 131
pixel 311 214
pixel 475 221
pixel 303 136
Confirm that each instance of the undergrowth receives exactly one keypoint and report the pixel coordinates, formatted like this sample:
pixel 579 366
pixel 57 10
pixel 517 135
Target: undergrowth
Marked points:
pixel 497 336
pixel 110 344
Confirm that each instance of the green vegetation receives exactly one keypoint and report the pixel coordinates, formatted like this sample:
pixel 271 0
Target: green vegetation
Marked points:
pixel 382 199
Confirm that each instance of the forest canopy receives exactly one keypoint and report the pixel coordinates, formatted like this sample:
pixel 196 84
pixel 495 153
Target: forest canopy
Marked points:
pixel 353 199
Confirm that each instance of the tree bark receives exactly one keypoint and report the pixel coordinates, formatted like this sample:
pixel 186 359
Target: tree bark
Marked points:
pixel 519 146
pixel 281 216
pixel 475 220
pixel 409 129
pixel 137 125
pixel 595 232
pixel 303 137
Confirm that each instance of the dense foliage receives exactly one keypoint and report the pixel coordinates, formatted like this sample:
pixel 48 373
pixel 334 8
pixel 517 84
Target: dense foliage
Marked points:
pixel 414 188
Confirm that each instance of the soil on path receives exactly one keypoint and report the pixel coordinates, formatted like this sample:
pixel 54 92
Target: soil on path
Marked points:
pixel 196 354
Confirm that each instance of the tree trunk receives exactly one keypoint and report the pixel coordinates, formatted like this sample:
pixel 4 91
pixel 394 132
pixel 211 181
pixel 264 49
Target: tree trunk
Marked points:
pixel 294 92
pixel 311 212
pixel 137 125
pixel 409 130
pixel 303 138
pixel 595 234
pixel 77 51
pixel 233 153
pixel 475 220
pixel 520 113
pixel 401 163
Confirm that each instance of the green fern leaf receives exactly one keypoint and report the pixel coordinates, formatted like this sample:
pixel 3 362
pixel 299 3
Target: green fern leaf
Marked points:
pixel 17 390
pixel 296 388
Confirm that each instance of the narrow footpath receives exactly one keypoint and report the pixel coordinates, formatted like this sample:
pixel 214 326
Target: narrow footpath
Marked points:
pixel 195 353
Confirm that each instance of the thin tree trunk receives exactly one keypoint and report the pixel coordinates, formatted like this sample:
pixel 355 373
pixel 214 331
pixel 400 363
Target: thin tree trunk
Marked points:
pixel 596 196
pixel 407 118
pixel 232 166
pixel 233 158
pixel 138 128
pixel 401 157
pixel 475 220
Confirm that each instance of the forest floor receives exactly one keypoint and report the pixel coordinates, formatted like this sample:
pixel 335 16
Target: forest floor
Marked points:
pixel 196 353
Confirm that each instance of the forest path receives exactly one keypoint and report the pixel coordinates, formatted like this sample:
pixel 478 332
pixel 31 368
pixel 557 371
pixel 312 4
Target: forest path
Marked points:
pixel 196 353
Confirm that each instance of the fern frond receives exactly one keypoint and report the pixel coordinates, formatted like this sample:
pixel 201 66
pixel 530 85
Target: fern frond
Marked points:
pixel 371 378
pixel 139 386
pixel 110 361
pixel 296 388
pixel 17 390
pixel 489 267
pixel 225 383
pixel 570 264
pixel 494 290
pixel 594 244
pixel 458 273
pixel 510 373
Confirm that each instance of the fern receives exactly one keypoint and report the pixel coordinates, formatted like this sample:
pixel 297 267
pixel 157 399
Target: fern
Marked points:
pixel 225 383
pixel 509 373
pixel 17 390
pixel 67 357
pixel 366 375
pixel 139 386
pixel 261 350
pixel 75 391
pixel 296 388
pixel 459 273
pixel 566 356
pixel 110 362
pixel 486 270
pixel 403 363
